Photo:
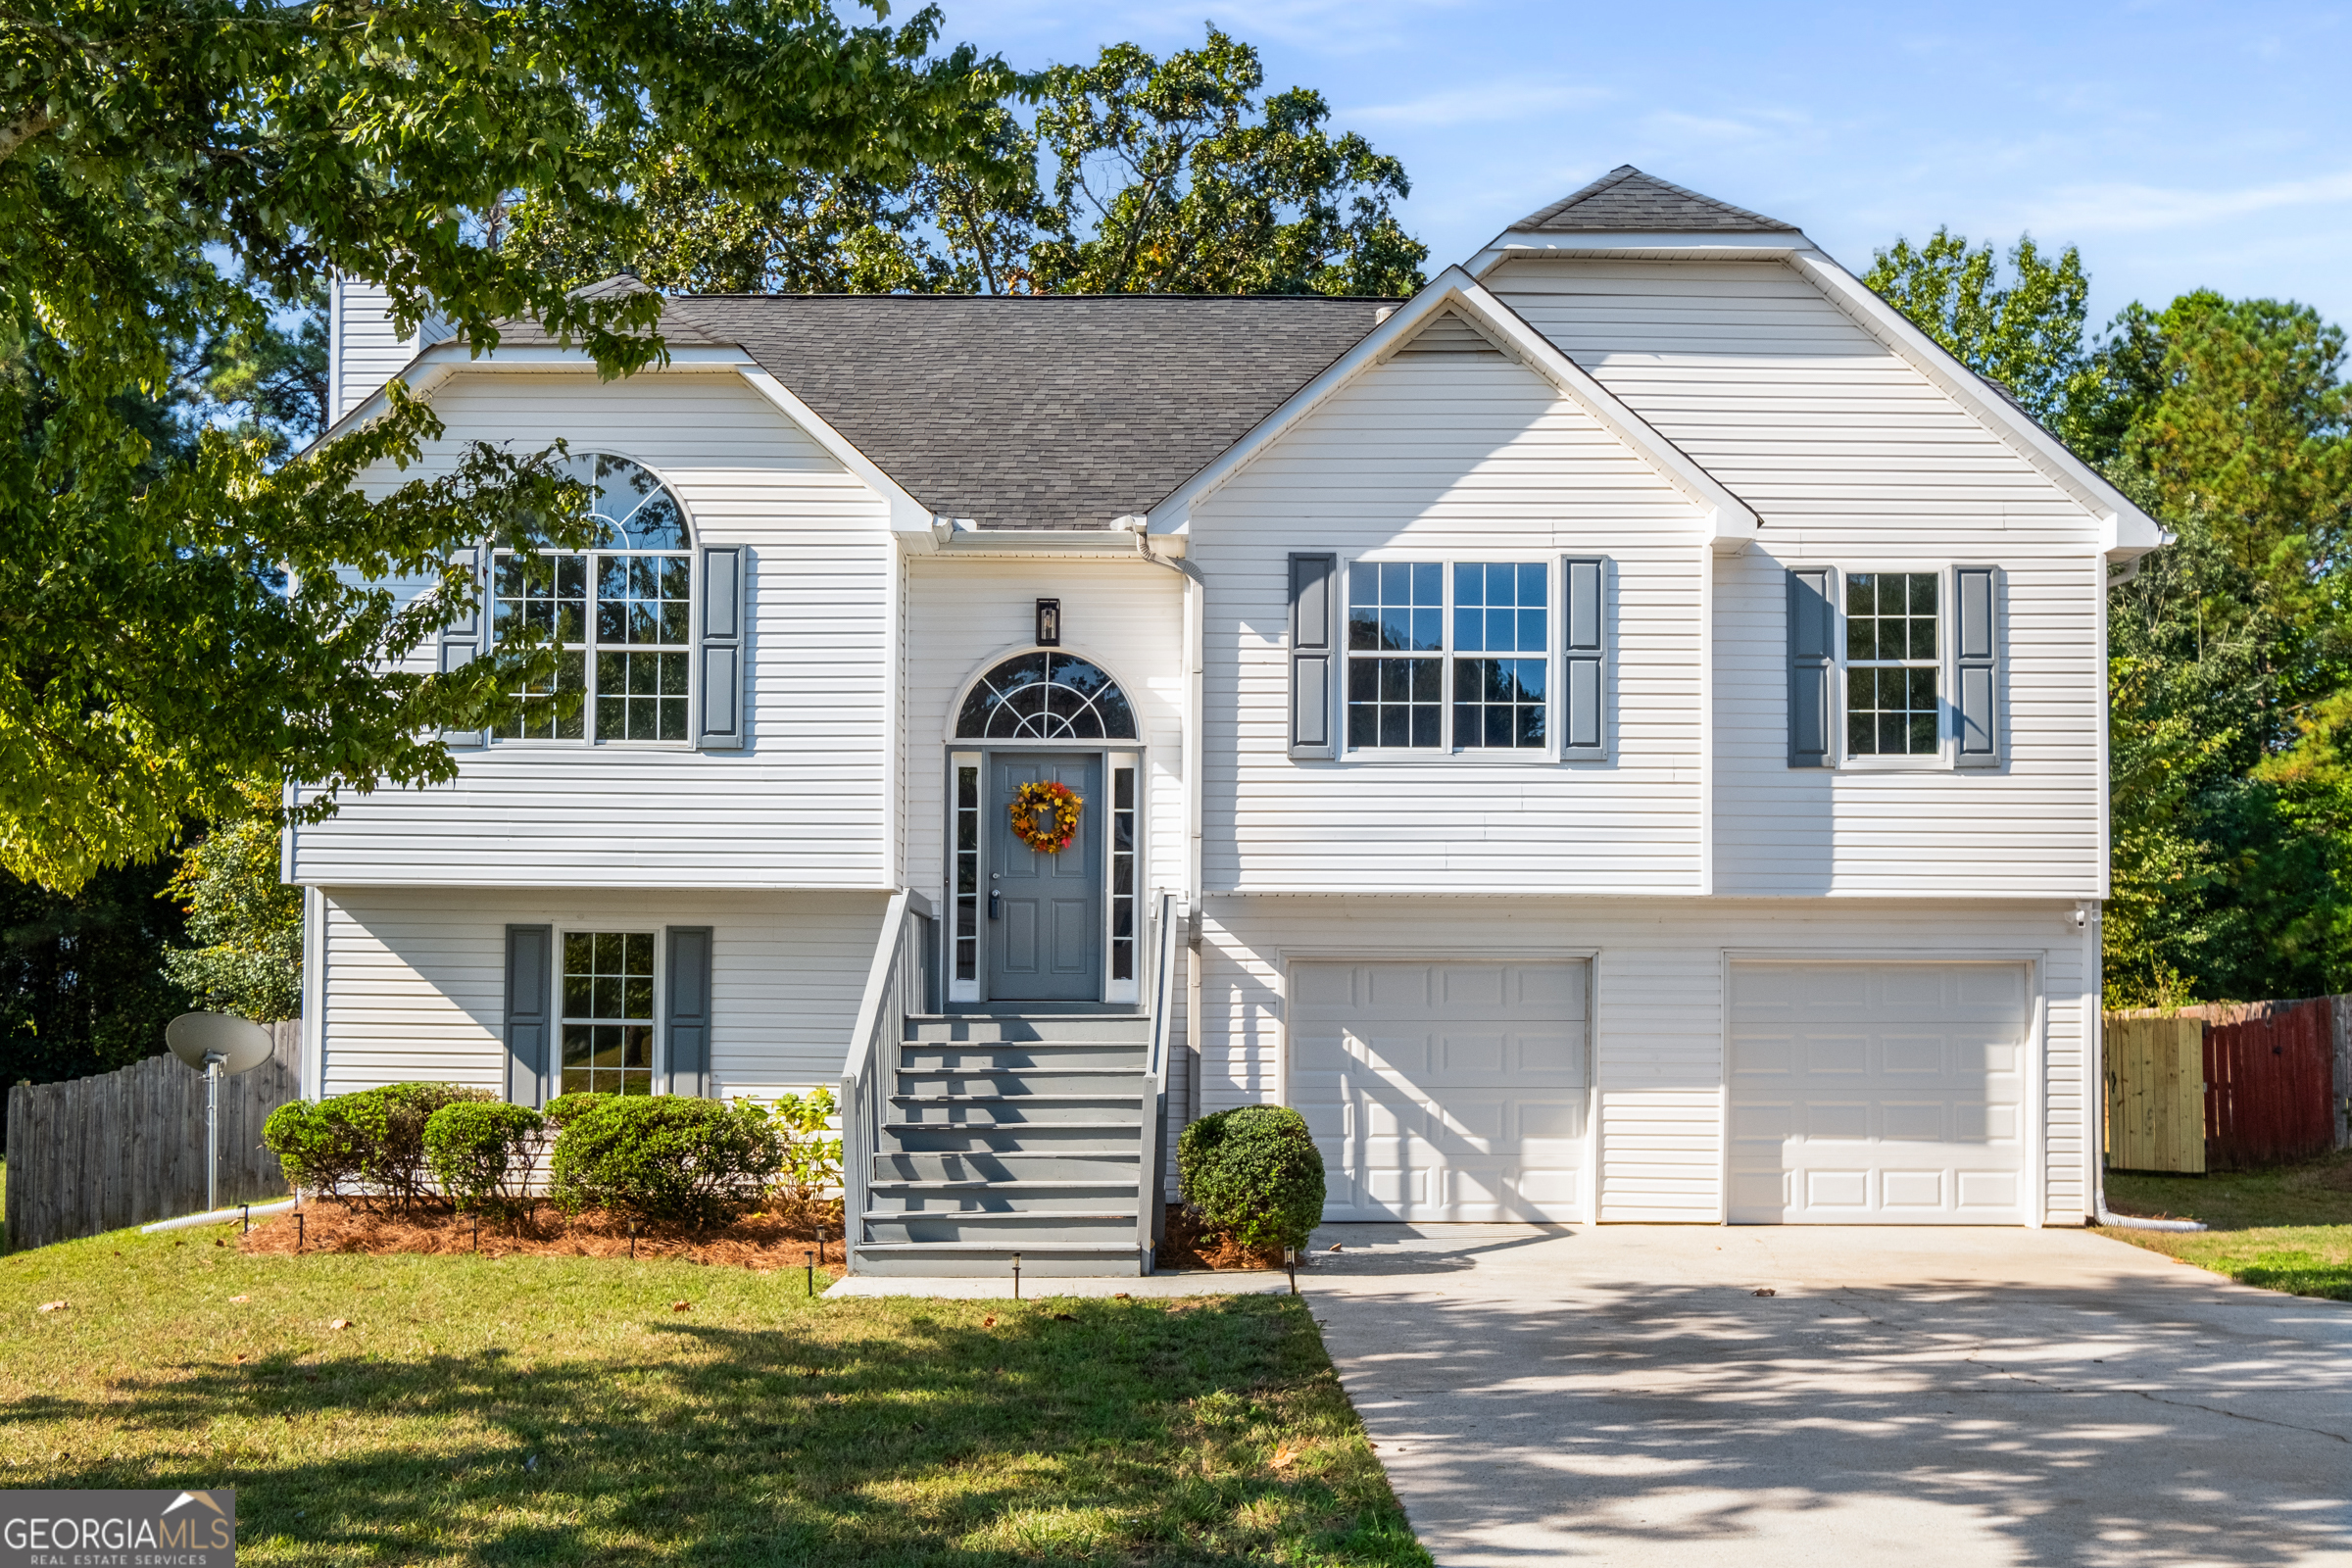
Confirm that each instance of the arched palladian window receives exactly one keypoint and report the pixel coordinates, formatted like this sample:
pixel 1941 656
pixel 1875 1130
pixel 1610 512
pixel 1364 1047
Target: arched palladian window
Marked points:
pixel 628 602
pixel 1046 695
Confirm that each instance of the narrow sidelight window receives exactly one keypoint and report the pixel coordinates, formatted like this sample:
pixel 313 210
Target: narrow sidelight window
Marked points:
pixel 608 1012
pixel 1395 642
pixel 1500 615
pixel 1122 872
pixel 1892 657
pixel 966 970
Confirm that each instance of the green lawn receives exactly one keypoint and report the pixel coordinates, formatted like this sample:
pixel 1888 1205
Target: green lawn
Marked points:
pixel 563 1410
pixel 2285 1230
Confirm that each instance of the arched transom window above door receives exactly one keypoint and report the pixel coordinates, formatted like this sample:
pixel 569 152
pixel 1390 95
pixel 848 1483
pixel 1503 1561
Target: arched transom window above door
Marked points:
pixel 1046 695
pixel 627 602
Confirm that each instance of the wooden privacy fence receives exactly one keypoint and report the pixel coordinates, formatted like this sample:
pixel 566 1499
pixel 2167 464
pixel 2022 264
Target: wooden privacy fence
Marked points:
pixel 94 1154
pixel 2156 1094
pixel 2268 1085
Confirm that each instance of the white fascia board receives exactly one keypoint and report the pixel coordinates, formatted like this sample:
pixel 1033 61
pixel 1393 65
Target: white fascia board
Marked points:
pixel 908 515
pixel 1763 245
pixel 962 539
pixel 1730 521
pixel 2126 532
pixel 438 363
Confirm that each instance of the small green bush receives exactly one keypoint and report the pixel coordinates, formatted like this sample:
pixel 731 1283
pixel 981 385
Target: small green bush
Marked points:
pixel 319 1151
pixel 1254 1172
pixel 482 1156
pixel 811 1150
pixel 666 1158
pixel 564 1109
pixel 371 1143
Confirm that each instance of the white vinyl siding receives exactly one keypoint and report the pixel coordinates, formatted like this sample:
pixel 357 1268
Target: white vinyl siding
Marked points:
pixel 805 804
pixel 1456 458
pixel 416 980
pixel 1848 453
pixel 1659 1008
pixel 366 350
pixel 964 615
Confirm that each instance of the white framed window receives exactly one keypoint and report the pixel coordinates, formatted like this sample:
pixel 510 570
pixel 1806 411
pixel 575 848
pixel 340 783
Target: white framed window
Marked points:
pixel 963 931
pixel 1448 656
pixel 1893 655
pixel 608 1001
pixel 620 614
pixel 1125 897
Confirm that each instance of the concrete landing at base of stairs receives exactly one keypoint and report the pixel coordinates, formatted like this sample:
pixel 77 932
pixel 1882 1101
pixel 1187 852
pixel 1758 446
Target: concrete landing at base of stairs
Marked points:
pixel 1037 1288
pixel 1925 1397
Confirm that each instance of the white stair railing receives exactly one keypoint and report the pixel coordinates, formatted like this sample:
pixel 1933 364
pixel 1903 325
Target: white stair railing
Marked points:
pixel 896 983
pixel 1161 943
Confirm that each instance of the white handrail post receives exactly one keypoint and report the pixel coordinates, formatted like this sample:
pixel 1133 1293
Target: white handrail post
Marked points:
pixel 1153 1135
pixel 864 1075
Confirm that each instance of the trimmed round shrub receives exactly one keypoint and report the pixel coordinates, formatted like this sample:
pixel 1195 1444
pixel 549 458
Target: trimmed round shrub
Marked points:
pixel 369 1142
pixel 666 1158
pixel 1254 1172
pixel 320 1152
pixel 481 1155
pixel 564 1109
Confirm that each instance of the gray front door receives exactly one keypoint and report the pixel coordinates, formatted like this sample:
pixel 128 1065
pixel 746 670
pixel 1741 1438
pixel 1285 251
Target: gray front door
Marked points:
pixel 1045 926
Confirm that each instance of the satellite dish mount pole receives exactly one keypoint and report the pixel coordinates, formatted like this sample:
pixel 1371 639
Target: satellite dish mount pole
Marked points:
pixel 212 1129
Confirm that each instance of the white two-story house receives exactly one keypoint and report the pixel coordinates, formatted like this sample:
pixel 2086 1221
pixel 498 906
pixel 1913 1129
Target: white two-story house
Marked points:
pixel 1619 736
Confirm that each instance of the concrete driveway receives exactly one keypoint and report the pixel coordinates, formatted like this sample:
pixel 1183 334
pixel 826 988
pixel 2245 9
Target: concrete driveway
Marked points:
pixel 1919 1398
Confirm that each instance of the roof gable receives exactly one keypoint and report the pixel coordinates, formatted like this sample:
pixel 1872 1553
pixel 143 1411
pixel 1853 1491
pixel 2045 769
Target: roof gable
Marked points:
pixel 1625 200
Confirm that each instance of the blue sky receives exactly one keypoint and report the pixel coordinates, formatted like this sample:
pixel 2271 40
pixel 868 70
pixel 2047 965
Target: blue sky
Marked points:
pixel 2179 145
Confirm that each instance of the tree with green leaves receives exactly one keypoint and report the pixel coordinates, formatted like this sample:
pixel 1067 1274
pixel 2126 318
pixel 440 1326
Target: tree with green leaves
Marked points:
pixel 246 924
pixel 1172 178
pixel 171 173
pixel 2023 329
pixel 1168 177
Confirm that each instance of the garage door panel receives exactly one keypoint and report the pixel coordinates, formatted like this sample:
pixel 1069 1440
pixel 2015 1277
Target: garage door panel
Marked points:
pixel 1878 1090
pixel 1464 1084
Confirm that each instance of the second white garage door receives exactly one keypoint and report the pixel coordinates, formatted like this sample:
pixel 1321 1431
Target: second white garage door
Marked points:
pixel 1877 1093
pixel 1444 1091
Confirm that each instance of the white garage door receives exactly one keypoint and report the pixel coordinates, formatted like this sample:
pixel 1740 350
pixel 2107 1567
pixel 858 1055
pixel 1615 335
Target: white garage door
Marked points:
pixel 1444 1091
pixel 1877 1093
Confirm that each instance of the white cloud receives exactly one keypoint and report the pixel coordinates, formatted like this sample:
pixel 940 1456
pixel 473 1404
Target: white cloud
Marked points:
pixel 2126 208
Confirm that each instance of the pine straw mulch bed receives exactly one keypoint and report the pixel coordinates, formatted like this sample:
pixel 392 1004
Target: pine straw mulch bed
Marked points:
pixel 775 1240
pixel 1189 1243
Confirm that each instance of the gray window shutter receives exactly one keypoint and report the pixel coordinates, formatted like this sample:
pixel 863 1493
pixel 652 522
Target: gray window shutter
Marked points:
pixel 530 1000
pixel 1977 666
pixel 686 1010
pixel 1313 579
pixel 461 639
pixel 1585 657
pixel 1812 666
pixel 723 668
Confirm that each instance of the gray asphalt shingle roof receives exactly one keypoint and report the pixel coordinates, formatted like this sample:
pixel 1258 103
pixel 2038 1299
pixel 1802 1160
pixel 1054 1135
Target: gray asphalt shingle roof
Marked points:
pixel 1626 200
pixel 1052 412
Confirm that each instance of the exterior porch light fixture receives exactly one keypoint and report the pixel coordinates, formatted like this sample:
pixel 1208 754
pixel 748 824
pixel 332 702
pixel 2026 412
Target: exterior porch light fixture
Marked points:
pixel 1048 624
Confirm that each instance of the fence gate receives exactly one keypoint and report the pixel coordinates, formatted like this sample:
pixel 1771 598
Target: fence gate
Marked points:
pixel 2155 1093
pixel 94 1154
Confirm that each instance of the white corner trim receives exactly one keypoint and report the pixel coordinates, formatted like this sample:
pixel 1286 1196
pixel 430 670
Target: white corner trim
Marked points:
pixel 906 514
pixel 1730 521
pixel 2126 532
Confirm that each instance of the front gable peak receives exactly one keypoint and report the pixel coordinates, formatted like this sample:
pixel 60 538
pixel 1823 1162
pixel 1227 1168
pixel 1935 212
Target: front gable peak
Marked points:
pixel 1625 200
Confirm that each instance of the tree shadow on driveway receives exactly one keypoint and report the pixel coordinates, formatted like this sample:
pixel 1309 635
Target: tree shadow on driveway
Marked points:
pixel 1551 1403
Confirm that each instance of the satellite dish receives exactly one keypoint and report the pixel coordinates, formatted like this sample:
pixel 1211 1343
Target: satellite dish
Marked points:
pixel 241 1044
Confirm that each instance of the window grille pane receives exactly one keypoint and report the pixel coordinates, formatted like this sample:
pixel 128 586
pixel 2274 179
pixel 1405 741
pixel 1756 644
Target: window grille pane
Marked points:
pixel 1122 873
pixel 1890 712
pixel 607 1029
pixel 967 873
pixel 1498 702
pixel 1892 658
